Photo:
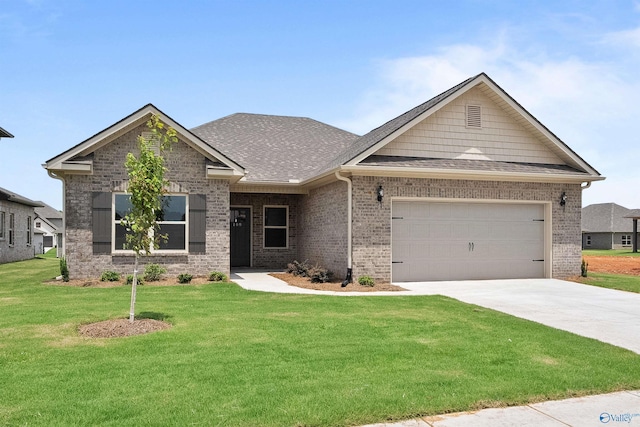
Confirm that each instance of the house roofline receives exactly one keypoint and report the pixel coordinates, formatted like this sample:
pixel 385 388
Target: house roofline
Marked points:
pixel 61 161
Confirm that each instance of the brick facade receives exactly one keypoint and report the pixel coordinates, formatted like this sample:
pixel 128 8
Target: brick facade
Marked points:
pixel 372 220
pixel 186 171
pixel 20 250
pixel 323 227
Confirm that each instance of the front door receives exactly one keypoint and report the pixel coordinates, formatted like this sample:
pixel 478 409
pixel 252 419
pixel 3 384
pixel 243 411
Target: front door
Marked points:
pixel 240 244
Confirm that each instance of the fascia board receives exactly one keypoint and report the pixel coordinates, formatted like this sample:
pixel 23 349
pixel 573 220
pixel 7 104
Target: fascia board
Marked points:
pixel 473 175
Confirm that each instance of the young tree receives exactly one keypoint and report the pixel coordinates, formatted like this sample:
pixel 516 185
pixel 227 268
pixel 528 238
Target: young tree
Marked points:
pixel 146 187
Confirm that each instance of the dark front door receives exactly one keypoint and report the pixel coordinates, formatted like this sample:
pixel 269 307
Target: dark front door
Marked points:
pixel 240 237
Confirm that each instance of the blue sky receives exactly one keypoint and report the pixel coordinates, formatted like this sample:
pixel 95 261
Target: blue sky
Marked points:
pixel 69 69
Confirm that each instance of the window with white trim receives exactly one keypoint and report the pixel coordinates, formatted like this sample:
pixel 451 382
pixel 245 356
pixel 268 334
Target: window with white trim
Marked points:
pixel 172 221
pixel 29 230
pixel 2 221
pixel 12 231
pixel 626 240
pixel 276 227
pixel 38 224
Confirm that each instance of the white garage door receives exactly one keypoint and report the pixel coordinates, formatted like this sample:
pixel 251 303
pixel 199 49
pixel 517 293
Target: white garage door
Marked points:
pixel 465 241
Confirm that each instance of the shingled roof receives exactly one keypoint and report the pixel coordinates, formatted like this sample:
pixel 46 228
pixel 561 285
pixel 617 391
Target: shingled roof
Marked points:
pixel 5 134
pixel 275 148
pixel 16 198
pixel 606 218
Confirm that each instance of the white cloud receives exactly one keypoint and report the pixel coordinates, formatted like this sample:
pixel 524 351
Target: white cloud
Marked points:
pixel 588 104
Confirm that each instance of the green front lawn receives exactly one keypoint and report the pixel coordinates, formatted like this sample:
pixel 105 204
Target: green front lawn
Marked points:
pixel 610 252
pixel 241 358
pixel 613 281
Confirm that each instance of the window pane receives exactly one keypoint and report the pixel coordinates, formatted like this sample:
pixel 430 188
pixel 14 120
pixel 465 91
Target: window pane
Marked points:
pixel 275 237
pixel 121 238
pixel 275 217
pixel 176 237
pixel 174 208
pixel 123 205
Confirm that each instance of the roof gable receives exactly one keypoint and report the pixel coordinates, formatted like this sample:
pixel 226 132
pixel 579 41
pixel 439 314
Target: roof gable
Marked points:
pixel 539 139
pixel 74 159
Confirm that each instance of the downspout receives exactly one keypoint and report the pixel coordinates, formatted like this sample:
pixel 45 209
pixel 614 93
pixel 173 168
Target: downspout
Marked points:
pixel 349 278
pixel 64 215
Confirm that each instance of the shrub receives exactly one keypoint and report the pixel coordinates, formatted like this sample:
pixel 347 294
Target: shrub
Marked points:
pixel 152 272
pixel 184 278
pixel 64 270
pixel 583 268
pixel 366 281
pixel 217 276
pixel 298 268
pixel 129 280
pixel 110 276
pixel 319 275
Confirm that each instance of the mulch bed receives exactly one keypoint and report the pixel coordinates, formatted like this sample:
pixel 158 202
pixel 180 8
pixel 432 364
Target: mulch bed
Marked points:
pixel 117 328
pixel 614 264
pixel 335 285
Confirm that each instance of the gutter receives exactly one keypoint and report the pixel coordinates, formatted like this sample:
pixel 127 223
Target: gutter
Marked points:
pixel 349 278
pixel 64 216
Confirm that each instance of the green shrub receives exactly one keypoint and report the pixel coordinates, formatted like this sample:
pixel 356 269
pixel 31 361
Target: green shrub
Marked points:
pixel 366 281
pixel 129 280
pixel 64 270
pixel 184 278
pixel 153 272
pixel 298 268
pixel 319 275
pixel 217 276
pixel 110 276
pixel 583 268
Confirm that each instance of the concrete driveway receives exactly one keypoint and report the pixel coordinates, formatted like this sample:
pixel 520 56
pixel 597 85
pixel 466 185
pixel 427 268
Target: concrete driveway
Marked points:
pixel 607 315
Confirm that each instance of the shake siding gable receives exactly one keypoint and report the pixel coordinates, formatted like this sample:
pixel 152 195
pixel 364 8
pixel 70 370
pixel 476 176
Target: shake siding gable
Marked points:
pixel 445 135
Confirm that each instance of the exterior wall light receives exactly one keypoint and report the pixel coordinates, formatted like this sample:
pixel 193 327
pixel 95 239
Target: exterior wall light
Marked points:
pixel 380 193
pixel 563 199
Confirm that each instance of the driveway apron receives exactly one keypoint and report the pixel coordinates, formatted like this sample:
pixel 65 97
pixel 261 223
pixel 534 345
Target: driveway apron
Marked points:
pixel 607 315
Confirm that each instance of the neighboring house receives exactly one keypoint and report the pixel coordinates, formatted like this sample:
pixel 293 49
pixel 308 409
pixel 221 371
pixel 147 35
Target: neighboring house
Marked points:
pixel 607 226
pixel 48 221
pixel 468 185
pixel 16 227
pixel 5 134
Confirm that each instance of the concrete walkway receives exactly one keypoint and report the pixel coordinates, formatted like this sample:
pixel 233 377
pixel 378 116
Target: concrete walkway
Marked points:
pixel 607 315
pixel 614 409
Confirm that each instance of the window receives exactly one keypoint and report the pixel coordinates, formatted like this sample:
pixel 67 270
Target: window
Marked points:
pixel 172 220
pixel 276 227
pixel 626 240
pixel 12 229
pixel 38 224
pixel 588 240
pixel 2 219
pixel 29 231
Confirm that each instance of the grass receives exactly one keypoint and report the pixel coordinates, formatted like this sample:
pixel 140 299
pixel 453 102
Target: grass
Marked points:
pixel 610 252
pixel 241 358
pixel 613 281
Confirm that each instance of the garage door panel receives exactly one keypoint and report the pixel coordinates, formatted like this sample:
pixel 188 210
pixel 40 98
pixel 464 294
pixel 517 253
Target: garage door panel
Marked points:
pixel 457 241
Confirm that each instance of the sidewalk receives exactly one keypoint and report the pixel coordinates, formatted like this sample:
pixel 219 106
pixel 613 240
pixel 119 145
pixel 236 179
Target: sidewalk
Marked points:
pixel 614 409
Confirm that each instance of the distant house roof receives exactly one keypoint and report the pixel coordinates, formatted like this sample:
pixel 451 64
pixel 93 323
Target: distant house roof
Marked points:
pixel 633 213
pixel 16 198
pixel 5 134
pixel 606 218
pixel 275 148
pixel 48 212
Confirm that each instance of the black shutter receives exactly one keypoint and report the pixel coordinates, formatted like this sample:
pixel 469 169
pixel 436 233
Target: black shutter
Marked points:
pixel 101 225
pixel 197 223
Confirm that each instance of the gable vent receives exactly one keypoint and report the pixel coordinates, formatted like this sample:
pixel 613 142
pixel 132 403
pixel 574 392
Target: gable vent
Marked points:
pixel 474 116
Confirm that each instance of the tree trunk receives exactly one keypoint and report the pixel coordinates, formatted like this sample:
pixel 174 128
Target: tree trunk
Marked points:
pixel 134 284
